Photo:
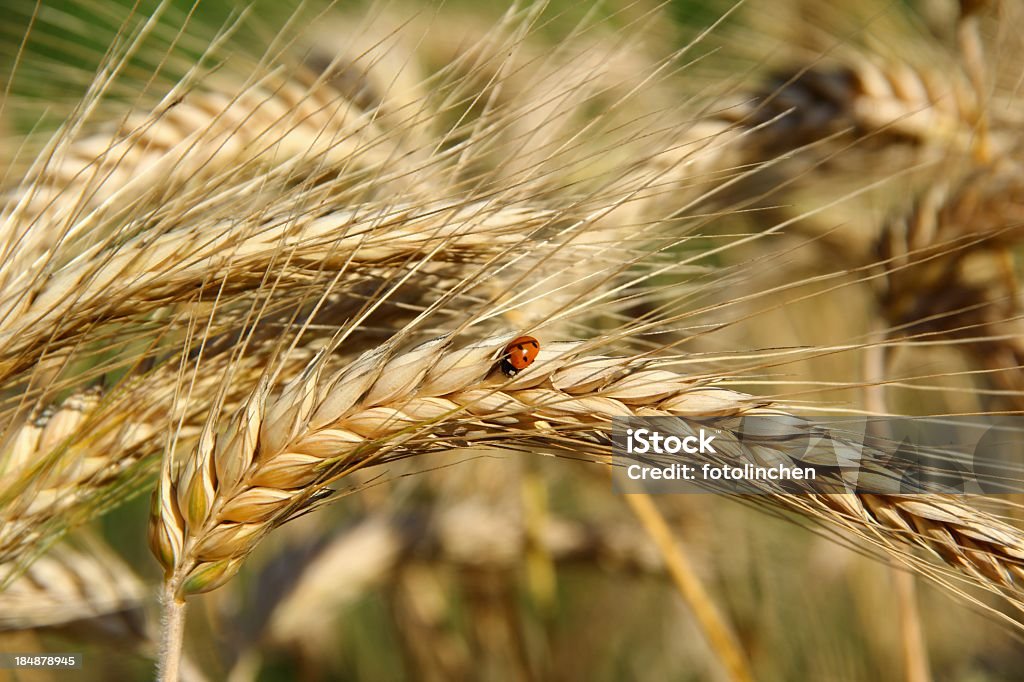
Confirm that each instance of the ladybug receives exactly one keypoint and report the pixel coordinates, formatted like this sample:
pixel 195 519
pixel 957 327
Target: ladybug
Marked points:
pixel 519 355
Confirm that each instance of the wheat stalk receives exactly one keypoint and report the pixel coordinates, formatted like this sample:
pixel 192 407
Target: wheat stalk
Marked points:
pixel 268 463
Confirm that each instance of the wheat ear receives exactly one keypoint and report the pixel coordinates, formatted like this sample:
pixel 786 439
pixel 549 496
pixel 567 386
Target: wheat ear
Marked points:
pixel 64 464
pixel 228 259
pixel 59 461
pixel 203 136
pixel 213 508
pixel 948 271
pixel 893 102
pixel 85 581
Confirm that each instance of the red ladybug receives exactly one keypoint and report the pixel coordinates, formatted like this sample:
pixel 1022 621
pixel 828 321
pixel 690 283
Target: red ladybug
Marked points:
pixel 519 355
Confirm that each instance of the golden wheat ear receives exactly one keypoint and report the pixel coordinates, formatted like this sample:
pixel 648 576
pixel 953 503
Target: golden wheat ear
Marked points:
pixel 215 505
pixel 77 582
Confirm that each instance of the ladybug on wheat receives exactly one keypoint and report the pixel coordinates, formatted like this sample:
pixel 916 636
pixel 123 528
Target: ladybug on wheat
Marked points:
pixel 519 355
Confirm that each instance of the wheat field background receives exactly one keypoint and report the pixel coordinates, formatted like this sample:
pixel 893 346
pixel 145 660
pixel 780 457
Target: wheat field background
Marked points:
pixel 259 264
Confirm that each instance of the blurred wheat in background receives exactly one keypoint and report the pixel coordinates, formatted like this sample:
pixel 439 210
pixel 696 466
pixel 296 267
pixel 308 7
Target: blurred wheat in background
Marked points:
pixel 259 263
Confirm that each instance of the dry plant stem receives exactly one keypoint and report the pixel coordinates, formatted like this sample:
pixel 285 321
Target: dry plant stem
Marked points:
pixel 712 622
pixel 969 39
pixel 915 653
pixel 173 635
pixel 912 641
pixel 540 566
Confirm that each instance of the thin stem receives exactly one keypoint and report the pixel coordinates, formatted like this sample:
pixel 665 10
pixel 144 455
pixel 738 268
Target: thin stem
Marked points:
pixel 912 641
pixel 173 634
pixel 973 55
pixel 915 653
pixel 711 621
